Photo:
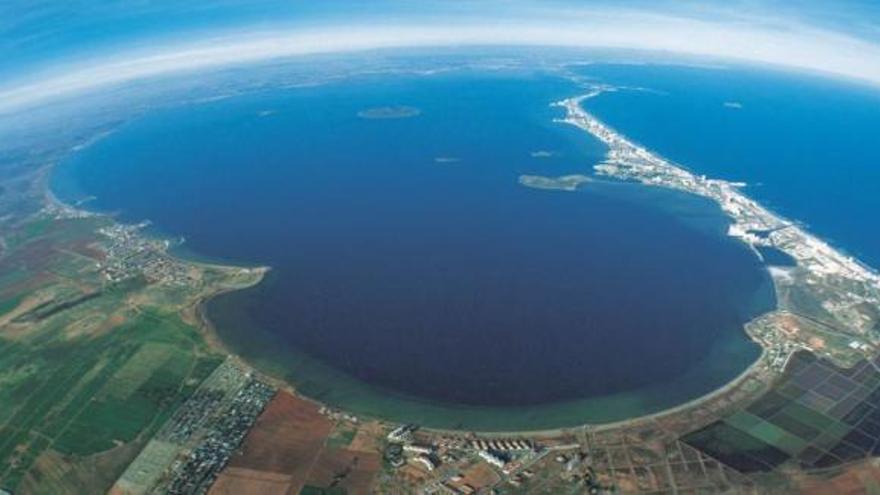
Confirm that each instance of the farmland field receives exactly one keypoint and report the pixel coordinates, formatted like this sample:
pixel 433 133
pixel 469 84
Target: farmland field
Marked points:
pixel 89 368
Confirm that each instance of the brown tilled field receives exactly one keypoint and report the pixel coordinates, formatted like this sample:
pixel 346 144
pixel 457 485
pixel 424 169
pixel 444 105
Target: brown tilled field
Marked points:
pixel 367 438
pixel 283 445
pixel 480 475
pixel 242 481
pixel 344 468
pixel 859 479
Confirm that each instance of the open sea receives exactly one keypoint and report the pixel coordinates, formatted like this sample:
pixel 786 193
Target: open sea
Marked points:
pixel 413 277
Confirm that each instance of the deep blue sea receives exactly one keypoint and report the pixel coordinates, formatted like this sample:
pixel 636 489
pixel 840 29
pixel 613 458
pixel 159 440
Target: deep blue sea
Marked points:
pixel 414 277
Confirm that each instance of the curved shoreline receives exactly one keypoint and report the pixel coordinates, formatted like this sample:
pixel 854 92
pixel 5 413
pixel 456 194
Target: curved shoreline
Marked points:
pixel 197 314
pixel 623 155
pixel 595 427
pixel 207 328
pixel 854 266
pixel 368 401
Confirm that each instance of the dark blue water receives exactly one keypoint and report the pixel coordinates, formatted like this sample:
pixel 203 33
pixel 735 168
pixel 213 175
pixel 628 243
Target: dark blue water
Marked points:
pixel 775 257
pixel 807 147
pixel 441 283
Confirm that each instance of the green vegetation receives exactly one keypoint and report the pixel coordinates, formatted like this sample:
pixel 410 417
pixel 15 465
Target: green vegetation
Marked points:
pixel 819 415
pixel 314 490
pixel 341 437
pixel 94 394
pixel 91 370
pixel 563 183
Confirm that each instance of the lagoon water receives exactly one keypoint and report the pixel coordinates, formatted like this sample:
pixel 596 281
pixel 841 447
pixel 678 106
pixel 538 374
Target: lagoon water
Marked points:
pixel 412 276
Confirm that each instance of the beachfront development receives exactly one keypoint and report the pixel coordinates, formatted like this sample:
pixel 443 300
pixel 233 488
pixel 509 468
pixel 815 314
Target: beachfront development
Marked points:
pixel 823 284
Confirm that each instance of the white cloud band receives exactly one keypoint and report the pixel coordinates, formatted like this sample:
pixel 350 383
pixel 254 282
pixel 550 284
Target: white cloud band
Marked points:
pixel 794 47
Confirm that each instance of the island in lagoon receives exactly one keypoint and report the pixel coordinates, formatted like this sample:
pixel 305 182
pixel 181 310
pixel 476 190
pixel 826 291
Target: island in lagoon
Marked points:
pixel 562 183
pixel 392 112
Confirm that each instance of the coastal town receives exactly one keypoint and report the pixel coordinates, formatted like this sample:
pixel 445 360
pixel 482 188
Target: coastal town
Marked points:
pixel 822 284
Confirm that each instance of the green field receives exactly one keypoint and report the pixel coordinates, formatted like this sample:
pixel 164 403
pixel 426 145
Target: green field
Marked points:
pixel 341 437
pixel 316 490
pixel 86 375
pixel 94 394
pixel 818 416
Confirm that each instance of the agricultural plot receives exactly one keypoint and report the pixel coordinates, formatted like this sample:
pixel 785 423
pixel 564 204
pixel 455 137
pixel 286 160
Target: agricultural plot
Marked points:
pixel 819 416
pixel 227 397
pixel 88 369
pixel 282 448
pixel 104 393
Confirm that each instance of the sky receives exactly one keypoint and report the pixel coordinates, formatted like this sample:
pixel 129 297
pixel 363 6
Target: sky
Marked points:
pixel 52 49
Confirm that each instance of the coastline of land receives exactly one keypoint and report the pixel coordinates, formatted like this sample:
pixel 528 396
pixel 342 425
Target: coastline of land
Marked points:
pixel 841 288
pixel 820 267
pixel 753 225
pixel 620 150
pixel 163 266
pixel 623 161
pixel 135 237
pixel 828 305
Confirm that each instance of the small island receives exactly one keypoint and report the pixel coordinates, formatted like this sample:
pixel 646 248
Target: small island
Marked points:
pixel 392 112
pixel 561 183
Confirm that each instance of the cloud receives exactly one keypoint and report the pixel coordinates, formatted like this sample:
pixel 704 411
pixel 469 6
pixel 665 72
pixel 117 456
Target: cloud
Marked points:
pixel 792 46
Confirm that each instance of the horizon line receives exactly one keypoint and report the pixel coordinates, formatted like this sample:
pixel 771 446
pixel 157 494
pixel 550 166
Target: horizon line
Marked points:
pixel 803 48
